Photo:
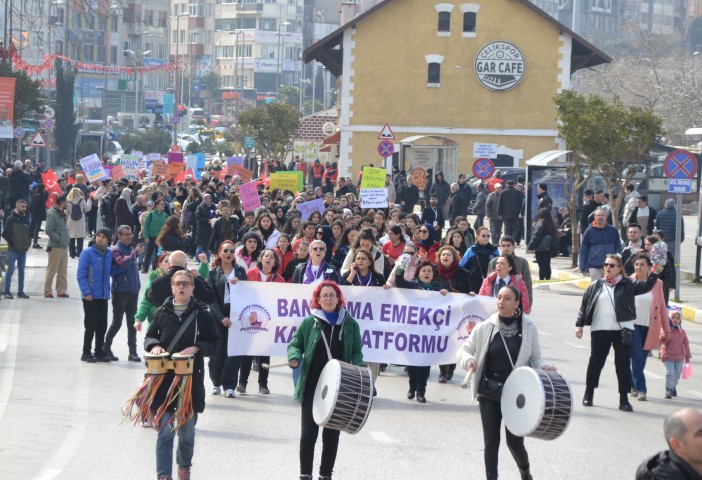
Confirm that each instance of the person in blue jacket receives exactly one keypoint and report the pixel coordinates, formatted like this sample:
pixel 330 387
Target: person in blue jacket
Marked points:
pixel 599 240
pixel 94 268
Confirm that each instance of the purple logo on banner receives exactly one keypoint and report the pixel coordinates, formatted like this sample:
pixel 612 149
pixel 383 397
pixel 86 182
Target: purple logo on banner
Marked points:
pixel 254 318
pixel 176 157
pixel 307 208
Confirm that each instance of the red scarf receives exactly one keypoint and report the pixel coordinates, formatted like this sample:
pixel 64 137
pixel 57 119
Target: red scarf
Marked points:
pixel 447 273
pixel 613 281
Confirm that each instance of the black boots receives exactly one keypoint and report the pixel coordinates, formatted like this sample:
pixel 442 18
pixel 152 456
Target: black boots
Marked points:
pixel 624 404
pixel 587 398
pixel 524 472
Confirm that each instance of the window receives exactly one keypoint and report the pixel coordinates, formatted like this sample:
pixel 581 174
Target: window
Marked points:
pixel 148 46
pixel 268 24
pixel 244 51
pixel 268 51
pixel 126 46
pixel 101 54
pixel 445 22
pixel 113 55
pixel 470 19
pixel 115 24
pixel 444 14
pixel 161 50
pixel 434 70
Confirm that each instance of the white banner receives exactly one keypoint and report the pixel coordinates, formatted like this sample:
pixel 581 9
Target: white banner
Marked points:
pixel 92 166
pixel 374 197
pixel 404 327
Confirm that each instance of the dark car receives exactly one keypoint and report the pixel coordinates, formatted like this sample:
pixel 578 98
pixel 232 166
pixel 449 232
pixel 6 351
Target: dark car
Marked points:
pixel 508 173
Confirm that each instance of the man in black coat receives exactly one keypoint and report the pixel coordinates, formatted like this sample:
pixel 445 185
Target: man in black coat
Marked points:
pixel 466 193
pixel 342 188
pixel 408 196
pixel 160 288
pixel 204 213
pixel 589 207
pixel 441 190
pixel 545 200
pixel 509 208
pixel 19 184
pixel 457 204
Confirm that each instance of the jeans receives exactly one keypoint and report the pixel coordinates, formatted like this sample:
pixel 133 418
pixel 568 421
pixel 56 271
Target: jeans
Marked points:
pixel 638 358
pixel 600 342
pixel 223 369
pixel 21 260
pixel 491 418
pixel 496 229
pixel 308 437
pixel 164 445
pixel 673 370
pixel 543 260
pixel 418 377
pixel 73 249
pixel 150 257
pixel 95 324
pixel 479 219
pixel 246 362
pixel 202 249
pixel 122 303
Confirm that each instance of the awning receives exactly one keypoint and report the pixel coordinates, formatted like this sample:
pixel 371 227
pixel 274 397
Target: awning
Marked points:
pixel 326 148
pixel 333 139
pixel 543 159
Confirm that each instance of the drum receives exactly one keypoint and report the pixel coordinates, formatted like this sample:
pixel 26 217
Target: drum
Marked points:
pixel 183 364
pixel 157 364
pixel 536 403
pixel 343 397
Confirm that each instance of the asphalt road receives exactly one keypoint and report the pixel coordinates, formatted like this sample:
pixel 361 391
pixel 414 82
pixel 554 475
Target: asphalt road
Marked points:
pixel 60 418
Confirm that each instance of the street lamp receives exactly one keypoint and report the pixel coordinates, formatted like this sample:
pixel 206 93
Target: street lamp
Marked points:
pixel 301 85
pixel 236 68
pixel 103 90
pixel 280 42
pixel 139 62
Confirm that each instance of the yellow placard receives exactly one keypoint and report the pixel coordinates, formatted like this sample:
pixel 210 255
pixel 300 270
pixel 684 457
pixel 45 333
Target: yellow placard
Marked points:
pixel 373 177
pixel 284 181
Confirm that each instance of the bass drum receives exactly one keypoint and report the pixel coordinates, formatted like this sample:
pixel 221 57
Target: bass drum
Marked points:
pixel 343 397
pixel 536 403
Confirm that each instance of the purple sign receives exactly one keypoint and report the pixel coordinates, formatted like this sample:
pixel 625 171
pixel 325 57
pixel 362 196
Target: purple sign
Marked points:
pixel 176 157
pixel 307 208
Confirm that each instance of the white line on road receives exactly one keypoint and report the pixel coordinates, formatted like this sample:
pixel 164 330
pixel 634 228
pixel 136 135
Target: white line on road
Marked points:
pixel 10 332
pixel 546 334
pixel 695 392
pixel 62 456
pixel 574 345
pixel 654 375
pixel 382 437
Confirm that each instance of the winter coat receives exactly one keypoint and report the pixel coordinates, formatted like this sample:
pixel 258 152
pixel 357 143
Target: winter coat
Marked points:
pixel 629 204
pixel 202 333
pixel 457 206
pixel 16 232
pixel 217 280
pixel 658 317
pixel 597 243
pixel 125 273
pixel 409 195
pixel 545 201
pixel 510 204
pixel 171 242
pixel 160 289
pixel 56 228
pixel 648 228
pixel 476 261
pixel 665 222
pixel 542 239
pixel 480 203
pixel 218 232
pixel 375 280
pixel 677 347
pixel 440 189
pixel 146 309
pixel 666 465
pixel 460 282
pixel 379 262
pixel 623 299
pixel 38 206
pixel 285 259
pixel 76 228
pixel 153 223
pixel 491 206
pixel 19 186
pixel 488 289
pixel 588 208
pixel 431 215
pixel 123 216
pixel 94 269
pixel 309 333
pixel 203 214
pixel 330 273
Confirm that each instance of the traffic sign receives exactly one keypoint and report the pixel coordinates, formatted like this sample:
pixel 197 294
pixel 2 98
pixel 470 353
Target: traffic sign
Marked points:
pixel 49 123
pixel 386 148
pixel 483 168
pixel 49 112
pixel 249 143
pixel 386 133
pixel 680 164
pixel 38 140
pixel 19 132
pixel 679 186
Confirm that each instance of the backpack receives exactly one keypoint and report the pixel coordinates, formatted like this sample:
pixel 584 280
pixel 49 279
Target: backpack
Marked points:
pixel 76 211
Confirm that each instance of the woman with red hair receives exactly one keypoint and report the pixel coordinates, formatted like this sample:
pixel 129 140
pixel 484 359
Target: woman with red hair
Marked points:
pixel 343 335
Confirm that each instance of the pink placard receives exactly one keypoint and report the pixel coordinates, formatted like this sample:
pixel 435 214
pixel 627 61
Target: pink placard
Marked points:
pixel 249 196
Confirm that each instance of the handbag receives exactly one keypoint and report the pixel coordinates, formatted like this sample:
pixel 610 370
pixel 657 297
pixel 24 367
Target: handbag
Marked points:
pixel 627 334
pixel 491 388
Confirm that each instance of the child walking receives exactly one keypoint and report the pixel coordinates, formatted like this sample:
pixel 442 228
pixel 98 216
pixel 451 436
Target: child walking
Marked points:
pixel 674 352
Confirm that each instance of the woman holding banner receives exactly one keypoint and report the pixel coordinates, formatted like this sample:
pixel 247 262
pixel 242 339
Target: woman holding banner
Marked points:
pixel 506 340
pixel 317 269
pixel 343 335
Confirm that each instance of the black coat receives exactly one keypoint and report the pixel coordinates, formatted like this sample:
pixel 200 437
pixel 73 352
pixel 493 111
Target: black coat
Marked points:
pixel 330 273
pixel 19 186
pixel 666 465
pixel 544 202
pixel 624 293
pixel 408 194
pixel 510 204
pixel 651 219
pixel 160 289
pixel 584 220
pixel 216 280
pixel 457 206
pixel 460 283
pixel 203 330
pixel 430 216
pixel 203 215
pixel 171 243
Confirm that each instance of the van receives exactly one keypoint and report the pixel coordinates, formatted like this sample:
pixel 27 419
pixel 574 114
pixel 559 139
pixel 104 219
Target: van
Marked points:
pixel 197 114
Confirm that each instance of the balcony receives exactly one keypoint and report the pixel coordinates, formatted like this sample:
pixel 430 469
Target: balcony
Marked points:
pixel 196 49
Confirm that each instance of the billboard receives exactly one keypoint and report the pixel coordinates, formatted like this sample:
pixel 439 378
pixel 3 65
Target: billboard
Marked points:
pixel 7 106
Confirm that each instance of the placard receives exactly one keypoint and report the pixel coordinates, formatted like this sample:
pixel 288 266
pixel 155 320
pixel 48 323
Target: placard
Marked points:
pixel 175 168
pixel 307 208
pixel 373 177
pixel 130 164
pixel 285 181
pixel 248 193
pixel 238 160
pixel 244 174
pixel 176 157
pixel 160 169
pixel 117 172
pixel 92 166
pixel 374 198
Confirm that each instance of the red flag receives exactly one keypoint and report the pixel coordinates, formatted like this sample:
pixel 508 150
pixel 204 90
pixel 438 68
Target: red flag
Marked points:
pixel 71 181
pixel 181 175
pixel 51 187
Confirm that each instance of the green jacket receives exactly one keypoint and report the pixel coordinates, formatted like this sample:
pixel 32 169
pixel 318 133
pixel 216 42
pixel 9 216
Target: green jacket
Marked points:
pixel 307 335
pixel 146 309
pixel 153 223
pixel 56 228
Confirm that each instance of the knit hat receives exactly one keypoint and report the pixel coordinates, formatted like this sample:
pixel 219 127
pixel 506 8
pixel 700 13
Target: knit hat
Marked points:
pixel 104 231
pixel 543 187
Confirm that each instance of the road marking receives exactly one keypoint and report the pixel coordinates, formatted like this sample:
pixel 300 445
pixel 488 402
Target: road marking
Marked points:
pixel 574 345
pixel 8 334
pixel 63 456
pixel 695 392
pixel 654 375
pixel 546 334
pixel 382 437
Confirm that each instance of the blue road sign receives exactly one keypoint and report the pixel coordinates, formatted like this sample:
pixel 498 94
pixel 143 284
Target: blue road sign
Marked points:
pixel 680 164
pixel 386 148
pixel 19 132
pixel 483 168
pixel 679 186
pixel 249 143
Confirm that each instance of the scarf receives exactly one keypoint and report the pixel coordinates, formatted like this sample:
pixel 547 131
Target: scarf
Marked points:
pixel 447 273
pixel 429 242
pixel 613 281
pixel 311 277
pixel 102 249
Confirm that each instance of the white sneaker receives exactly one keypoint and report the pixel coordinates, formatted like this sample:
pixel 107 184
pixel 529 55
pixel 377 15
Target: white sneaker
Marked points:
pixel 216 390
pixel 230 393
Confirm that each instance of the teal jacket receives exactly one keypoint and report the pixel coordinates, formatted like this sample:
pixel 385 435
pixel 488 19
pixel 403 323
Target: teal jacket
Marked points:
pixel 309 332
pixel 153 223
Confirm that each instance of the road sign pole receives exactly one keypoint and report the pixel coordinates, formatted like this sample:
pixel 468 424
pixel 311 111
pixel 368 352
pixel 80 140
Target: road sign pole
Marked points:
pixel 678 228
pixel 697 237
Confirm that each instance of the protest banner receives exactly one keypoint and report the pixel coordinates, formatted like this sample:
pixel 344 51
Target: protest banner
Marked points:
pixel 238 160
pixel 373 177
pixel 92 166
pixel 307 208
pixel 108 170
pixel 285 181
pixel 374 197
pixel 176 157
pixel 160 169
pixel 244 174
pixel 117 172
pixel 175 168
pixel 130 164
pixel 248 193
pixel 154 157
pixel 400 326
pixel 191 162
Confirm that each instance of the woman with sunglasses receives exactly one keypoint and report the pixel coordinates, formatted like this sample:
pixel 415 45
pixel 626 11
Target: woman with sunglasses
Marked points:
pixel 477 259
pixel 408 262
pixel 609 308
pixel 505 274
pixel 317 269
pixel 342 334
pixel 224 275
pixel 324 233
pixel 427 246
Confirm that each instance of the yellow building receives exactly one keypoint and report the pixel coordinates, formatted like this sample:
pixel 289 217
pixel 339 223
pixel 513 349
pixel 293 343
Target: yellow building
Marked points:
pixel 455 81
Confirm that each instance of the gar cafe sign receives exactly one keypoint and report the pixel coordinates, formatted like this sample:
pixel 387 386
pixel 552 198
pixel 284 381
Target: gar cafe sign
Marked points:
pixel 500 66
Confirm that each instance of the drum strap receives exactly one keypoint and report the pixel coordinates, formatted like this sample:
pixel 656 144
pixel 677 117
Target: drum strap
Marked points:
pixel 326 344
pixel 181 331
pixel 507 349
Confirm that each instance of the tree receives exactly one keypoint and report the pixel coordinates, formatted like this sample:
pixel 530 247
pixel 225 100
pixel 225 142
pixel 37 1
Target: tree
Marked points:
pixel 27 92
pixel 211 81
pixel 272 127
pixel 603 137
pixel 153 140
pixel 88 147
pixel 66 128
pixel 289 94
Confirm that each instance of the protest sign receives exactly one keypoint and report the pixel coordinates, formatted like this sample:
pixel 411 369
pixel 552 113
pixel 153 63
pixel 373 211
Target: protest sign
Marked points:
pixel 373 177
pixel 244 174
pixel 399 326
pixel 374 198
pixel 238 160
pixel 285 181
pixel 175 168
pixel 130 164
pixel 92 166
pixel 154 157
pixel 191 162
pixel 160 169
pixel 307 208
pixel 248 193
pixel 117 172
pixel 176 157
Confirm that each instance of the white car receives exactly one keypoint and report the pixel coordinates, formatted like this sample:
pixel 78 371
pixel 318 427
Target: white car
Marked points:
pixel 185 139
